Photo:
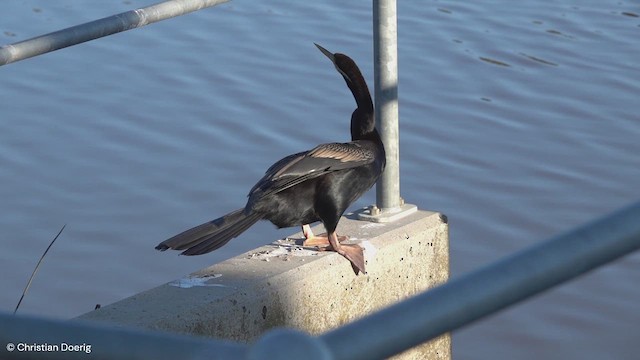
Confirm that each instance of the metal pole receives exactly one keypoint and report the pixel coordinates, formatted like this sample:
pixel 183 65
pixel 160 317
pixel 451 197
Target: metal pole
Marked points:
pixel 492 288
pixel 85 340
pixel 385 66
pixel 389 205
pixel 100 28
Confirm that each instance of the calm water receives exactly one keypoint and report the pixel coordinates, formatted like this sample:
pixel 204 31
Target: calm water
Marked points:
pixel 517 121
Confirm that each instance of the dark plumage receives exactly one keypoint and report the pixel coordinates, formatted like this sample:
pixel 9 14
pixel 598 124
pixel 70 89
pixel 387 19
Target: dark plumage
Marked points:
pixel 310 186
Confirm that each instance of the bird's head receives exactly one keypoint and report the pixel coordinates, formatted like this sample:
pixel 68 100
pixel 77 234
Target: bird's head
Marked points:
pixel 352 76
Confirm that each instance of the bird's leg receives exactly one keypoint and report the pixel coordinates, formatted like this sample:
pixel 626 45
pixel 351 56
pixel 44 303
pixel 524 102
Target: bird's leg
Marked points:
pixel 352 252
pixel 310 239
pixel 320 240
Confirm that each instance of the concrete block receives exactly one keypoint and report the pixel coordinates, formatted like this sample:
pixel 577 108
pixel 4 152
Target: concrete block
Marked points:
pixel 284 285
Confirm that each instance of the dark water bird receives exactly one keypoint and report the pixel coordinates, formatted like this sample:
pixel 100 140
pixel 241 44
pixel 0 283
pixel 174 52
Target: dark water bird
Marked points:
pixel 310 186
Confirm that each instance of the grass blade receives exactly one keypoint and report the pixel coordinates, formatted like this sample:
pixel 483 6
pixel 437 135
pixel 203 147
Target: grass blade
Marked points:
pixel 26 288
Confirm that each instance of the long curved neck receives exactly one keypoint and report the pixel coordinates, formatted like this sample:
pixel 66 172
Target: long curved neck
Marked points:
pixel 363 124
pixel 362 118
pixel 355 81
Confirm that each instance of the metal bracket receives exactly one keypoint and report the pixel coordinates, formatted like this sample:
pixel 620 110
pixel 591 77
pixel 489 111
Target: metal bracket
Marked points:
pixel 377 215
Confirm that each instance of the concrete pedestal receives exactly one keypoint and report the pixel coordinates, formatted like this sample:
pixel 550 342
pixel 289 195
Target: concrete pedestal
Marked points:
pixel 284 285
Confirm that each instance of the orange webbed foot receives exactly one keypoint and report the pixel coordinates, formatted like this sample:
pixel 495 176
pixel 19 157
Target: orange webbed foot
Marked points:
pixel 320 240
pixel 352 252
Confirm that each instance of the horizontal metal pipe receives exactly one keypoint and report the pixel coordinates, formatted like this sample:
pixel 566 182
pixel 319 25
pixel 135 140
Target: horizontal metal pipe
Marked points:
pixel 492 288
pixel 83 340
pixel 100 28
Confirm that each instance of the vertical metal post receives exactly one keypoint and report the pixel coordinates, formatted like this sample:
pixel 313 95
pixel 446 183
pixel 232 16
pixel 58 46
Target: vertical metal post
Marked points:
pixel 385 65
pixel 390 205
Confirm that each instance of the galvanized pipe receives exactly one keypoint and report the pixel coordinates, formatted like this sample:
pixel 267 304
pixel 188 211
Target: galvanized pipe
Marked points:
pixel 385 66
pixel 488 290
pixel 100 28
pixel 86 340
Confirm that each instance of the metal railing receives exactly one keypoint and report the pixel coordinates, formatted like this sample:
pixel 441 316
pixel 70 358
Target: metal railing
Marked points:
pixel 377 336
pixel 100 28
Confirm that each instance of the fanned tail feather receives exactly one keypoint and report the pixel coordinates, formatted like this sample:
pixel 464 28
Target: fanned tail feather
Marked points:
pixel 211 235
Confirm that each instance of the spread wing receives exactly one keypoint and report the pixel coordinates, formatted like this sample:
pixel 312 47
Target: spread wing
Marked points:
pixel 297 168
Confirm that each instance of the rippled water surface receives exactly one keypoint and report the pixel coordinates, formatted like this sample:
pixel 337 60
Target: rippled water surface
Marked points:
pixel 518 121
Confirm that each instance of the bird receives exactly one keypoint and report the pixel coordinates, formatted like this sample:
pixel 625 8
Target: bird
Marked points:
pixel 306 187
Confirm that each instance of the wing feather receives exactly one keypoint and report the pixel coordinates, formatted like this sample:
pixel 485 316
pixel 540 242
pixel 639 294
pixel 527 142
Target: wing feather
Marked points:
pixel 297 168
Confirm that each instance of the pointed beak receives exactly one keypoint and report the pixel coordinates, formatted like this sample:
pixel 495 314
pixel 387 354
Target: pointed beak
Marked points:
pixel 332 57
pixel 326 53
